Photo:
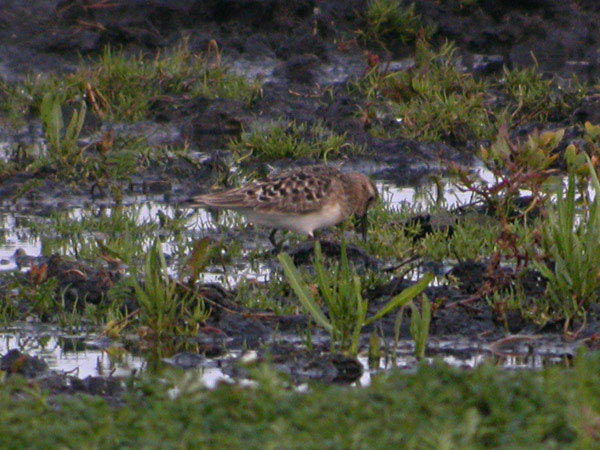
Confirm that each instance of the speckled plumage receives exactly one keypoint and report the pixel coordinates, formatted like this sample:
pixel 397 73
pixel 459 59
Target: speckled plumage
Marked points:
pixel 300 200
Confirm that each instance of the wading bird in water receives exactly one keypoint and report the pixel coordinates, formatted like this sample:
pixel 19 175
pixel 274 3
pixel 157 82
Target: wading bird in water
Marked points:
pixel 301 200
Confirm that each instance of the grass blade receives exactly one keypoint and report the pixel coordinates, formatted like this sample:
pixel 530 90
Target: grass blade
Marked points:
pixel 402 298
pixel 302 291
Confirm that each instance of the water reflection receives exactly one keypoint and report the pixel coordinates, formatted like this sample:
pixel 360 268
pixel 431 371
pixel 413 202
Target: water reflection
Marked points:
pixel 84 355
pixel 15 233
pixel 76 354
pixel 466 353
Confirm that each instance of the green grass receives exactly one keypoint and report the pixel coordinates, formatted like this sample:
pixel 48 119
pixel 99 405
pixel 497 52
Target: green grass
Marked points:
pixel 107 164
pixel 435 100
pixel 391 234
pixel 273 295
pixel 280 140
pixel 340 290
pixel 533 97
pixel 437 407
pixel 115 87
pixel 393 21
pixel 570 239
pixel 169 307
pixel 120 86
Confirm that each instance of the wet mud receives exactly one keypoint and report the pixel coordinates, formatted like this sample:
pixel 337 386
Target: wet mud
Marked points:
pixel 305 52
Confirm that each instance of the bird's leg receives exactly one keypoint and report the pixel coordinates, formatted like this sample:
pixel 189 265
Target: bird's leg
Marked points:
pixel 273 241
pixel 315 236
pixel 362 227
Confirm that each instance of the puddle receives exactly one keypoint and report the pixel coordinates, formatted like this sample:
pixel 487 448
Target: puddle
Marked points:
pixel 424 196
pixel 83 355
pixel 15 235
pixel 222 227
pixel 468 354
pixel 79 355
pixel 198 223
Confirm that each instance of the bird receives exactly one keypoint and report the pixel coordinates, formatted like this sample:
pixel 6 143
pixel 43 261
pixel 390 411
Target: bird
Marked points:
pixel 301 200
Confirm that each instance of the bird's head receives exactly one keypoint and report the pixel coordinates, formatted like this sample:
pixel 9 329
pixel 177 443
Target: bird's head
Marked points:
pixel 362 193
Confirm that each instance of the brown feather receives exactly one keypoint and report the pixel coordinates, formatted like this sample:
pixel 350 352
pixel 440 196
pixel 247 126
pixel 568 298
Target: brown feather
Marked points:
pixel 301 200
pixel 297 191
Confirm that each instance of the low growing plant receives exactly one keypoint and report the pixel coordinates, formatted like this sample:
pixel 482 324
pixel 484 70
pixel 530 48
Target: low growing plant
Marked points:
pixel 432 100
pixel 533 97
pixel 419 325
pixel 339 287
pixel 62 146
pixel 515 166
pixel 121 86
pixel 571 239
pixel 292 140
pixel 389 21
pixel 165 308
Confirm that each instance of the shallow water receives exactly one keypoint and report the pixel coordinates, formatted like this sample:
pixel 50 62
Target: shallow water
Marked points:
pixel 15 235
pixel 85 355
pixel 79 355
pixel 527 354
pixel 82 355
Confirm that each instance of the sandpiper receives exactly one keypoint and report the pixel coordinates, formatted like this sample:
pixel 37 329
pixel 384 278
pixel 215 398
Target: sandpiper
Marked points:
pixel 301 200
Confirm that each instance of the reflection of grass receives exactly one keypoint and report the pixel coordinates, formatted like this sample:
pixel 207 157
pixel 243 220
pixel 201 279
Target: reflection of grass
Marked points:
pixel 118 232
pixel 436 407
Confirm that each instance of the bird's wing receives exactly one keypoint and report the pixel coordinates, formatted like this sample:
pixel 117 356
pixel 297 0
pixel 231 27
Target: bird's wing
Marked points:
pixel 295 191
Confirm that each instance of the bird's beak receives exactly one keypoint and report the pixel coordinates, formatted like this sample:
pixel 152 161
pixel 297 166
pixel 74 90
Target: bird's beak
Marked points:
pixel 362 225
pixel 187 202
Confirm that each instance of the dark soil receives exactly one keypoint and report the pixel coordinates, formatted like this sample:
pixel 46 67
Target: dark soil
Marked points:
pixel 45 34
pixel 308 44
pixel 303 42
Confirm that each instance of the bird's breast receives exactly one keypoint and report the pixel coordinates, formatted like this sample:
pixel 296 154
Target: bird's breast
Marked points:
pixel 331 214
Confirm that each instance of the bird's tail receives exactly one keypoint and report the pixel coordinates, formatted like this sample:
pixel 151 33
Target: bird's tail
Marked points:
pixel 212 200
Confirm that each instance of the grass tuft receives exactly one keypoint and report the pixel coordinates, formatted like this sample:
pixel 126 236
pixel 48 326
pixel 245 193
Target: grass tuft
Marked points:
pixel 279 140
pixel 340 289
pixel 391 21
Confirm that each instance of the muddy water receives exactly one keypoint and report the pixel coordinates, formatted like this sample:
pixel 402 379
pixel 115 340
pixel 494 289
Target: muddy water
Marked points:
pixel 82 355
pixel 14 235
pixel 77 354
